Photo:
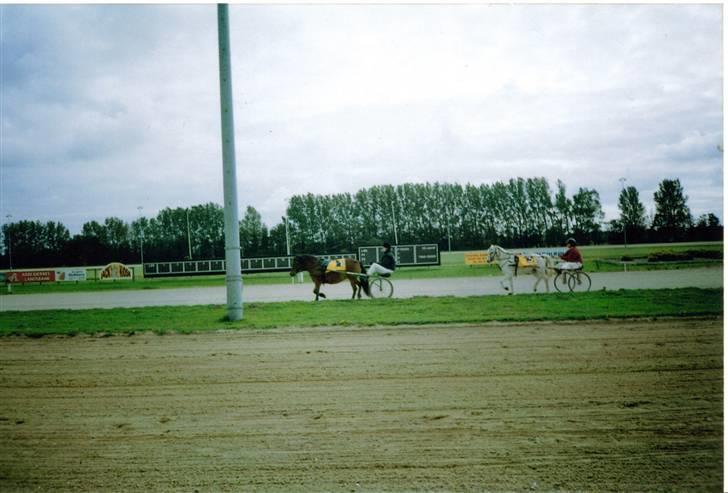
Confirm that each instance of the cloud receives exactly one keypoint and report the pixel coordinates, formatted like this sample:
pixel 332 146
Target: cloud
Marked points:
pixel 118 105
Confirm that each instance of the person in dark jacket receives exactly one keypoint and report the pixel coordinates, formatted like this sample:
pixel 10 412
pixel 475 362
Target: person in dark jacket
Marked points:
pixel 386 265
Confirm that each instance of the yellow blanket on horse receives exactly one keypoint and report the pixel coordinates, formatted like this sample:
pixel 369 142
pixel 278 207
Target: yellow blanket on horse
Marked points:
pixel 338 265
pixel 526 261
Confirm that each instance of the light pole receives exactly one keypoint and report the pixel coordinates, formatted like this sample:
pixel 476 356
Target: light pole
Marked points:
pixel 394 223
pixel 10 247
pixel 288 238
pixel 233 276
pixel 141 237
pixel 624 221
pixel 189 241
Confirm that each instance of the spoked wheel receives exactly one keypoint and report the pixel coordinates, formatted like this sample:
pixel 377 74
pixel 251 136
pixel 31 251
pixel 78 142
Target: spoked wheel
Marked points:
pixel 579 282
pixel 380 288
pixel 561 281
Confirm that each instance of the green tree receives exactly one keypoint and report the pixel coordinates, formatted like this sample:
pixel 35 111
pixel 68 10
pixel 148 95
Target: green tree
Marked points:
pixel 587 215
pixel 672 215
pixel 632 217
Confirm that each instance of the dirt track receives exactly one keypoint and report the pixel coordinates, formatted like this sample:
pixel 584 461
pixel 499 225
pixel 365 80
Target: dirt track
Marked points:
pixel 608 406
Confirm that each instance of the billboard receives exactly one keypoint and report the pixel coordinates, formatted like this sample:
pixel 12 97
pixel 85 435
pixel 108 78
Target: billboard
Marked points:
pixel 18 277
pixel 78 274
pixel 405 255
pixel 116 271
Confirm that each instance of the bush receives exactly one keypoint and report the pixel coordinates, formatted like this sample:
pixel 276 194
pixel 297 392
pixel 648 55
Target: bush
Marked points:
pixel 626 258
pixel 710 254
pixel 668 256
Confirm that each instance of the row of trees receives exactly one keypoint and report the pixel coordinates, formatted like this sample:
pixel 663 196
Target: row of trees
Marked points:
pixel 518 213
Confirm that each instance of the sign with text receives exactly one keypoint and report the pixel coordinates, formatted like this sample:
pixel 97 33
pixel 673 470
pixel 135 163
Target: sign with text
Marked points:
pixel 71 274
pixel 476 258
pixel 405 255
pixel 18 277
pixel 116 271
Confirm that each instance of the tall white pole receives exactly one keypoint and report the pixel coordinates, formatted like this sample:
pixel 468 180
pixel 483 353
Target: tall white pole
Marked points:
pixel 10 246
pixel 141 237
pixel 288 238
pixel 624 223
pixel 233 278
pixel 394 223
pixel 189 241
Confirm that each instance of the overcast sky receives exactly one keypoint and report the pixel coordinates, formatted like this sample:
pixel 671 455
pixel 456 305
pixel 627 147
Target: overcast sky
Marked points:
pixel 105 108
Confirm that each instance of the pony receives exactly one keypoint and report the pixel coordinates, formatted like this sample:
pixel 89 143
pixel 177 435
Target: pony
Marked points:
pixel 542 267
pixel 319 274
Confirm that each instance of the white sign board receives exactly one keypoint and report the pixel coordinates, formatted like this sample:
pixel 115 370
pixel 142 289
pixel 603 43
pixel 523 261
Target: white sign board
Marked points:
pixel 77 274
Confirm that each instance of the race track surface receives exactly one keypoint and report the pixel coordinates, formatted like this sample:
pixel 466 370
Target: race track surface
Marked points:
pixel 583 406
pixel 465 286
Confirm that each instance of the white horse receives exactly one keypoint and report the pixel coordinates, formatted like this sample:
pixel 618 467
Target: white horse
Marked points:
pixel 542 268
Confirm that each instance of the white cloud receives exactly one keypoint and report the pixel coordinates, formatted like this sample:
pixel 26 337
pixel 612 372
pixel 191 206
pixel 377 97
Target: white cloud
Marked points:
pixel 119 104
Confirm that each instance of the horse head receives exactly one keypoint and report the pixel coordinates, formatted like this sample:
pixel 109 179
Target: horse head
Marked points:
pixel 298 265
pixel 493 253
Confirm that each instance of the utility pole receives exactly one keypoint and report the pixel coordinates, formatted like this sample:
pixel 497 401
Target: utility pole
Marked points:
pixel 189 241
pixel 288 238
pixel 233 277
pixel 394 223
pixel 10 247
pixel 141 237
pixel 624 222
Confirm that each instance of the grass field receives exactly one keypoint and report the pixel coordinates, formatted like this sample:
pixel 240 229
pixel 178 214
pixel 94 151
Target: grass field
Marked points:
pixel 413 311
pixel 452 265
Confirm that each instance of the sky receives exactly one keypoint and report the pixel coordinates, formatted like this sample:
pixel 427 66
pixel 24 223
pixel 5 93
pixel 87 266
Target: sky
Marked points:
pixel 107 108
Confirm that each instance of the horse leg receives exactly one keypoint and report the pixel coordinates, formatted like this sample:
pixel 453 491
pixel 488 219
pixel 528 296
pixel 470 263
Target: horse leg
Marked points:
pixel 354 286
pixel 508 278
pixel 539 277
pixel 316 291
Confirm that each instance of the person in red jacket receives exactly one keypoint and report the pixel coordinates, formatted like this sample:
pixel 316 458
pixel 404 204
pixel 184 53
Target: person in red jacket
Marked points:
pixel 571 258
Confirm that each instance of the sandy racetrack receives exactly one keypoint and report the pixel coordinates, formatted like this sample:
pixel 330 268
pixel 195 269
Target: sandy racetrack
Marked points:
pixel 589 406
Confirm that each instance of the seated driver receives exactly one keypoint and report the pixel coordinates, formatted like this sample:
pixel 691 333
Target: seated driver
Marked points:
pixel 571 258
pixel 386 264
pixel 385 267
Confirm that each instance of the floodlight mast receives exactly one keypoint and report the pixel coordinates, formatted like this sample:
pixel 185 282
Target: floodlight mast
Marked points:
pixel 233 277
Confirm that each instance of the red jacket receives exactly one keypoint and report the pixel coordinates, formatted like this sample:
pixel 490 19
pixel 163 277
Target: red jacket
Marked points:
pixel 572 255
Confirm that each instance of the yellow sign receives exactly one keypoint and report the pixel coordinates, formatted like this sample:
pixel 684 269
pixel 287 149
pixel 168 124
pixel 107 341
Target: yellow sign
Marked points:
pixel 116 270
pixel 476 258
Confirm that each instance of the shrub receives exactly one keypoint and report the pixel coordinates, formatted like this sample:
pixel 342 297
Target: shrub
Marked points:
pixel 668 256
pixel 710 254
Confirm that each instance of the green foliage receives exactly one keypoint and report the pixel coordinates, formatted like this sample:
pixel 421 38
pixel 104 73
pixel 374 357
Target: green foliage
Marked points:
pixel 414 311
pixel 672 215
pixel 668 256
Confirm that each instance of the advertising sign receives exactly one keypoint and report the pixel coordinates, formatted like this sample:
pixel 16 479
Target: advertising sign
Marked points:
pixel 31 276
pixel 116 271
pixel 476 258
pixel 78 274
pixel 405 255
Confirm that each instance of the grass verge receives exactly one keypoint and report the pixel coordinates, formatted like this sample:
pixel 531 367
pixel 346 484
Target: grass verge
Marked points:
pixel 420 310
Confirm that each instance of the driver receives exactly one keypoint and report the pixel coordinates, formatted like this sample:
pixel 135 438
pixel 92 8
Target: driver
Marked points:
pixel 571 258
pixel 385 267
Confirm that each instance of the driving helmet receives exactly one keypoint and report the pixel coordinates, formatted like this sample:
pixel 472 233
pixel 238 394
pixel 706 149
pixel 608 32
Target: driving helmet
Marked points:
pixel 571 242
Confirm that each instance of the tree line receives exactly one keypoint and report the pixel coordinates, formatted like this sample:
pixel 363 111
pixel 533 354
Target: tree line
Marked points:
pixel 522 212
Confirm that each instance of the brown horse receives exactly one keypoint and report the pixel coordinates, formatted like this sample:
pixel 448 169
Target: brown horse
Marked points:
pixel 320 276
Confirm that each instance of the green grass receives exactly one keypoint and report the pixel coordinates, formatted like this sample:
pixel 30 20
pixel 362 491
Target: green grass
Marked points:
pixel 453 265
pixel 414 311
